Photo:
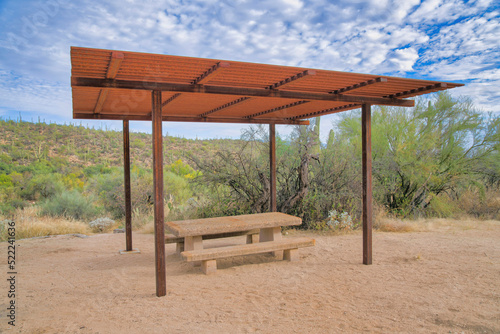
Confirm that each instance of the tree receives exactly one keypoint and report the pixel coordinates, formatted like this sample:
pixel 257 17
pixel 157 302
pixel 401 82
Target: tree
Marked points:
pixel 425 151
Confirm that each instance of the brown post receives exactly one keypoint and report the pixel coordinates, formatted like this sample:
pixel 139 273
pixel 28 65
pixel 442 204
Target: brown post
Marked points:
pixel 161 282
pixel 366 130
pixel 272 166
pixel 126 174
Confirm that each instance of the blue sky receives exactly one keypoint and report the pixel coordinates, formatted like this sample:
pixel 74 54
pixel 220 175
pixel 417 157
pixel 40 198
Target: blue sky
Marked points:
pixel 447 40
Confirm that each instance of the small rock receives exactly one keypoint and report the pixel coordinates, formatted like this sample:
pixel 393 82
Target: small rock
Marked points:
pixel 119 230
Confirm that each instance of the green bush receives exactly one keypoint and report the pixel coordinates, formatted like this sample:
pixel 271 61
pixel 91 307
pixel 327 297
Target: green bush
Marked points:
pixel 442 207
pixel 109 189
pixel 70 204
pixel 182 169
pixel 5 181
pixel 96 170
pixel 178 187
pixel 137 143
pixel 42 187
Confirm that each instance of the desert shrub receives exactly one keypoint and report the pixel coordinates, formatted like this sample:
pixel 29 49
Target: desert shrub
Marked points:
pixel 5 181
pixel 3 229
pixel 141 218
pixel 110 191
pixel 42 166
pixel 480 204
pixel 336 221
pixel 4 158
pixel 109 188
pixel 396 225
pixel 102 224
pixel 43 186
pixel 8 207
pixel 73 181
pixel 97 170
pixel 29 224
pixel 177 187
pixel 182 169
pixel 137 143
pixel 311 179
pixel 340 221
pixel 442 207
pixel 70 204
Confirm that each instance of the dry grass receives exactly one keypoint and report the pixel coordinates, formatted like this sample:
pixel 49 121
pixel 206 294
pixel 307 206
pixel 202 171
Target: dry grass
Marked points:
pixel 148 228
pixel 486 206
pixel 30 225
pixel 463 223
pixel 383 222
pixel 398 225
pixel 434 224
pixel 144 221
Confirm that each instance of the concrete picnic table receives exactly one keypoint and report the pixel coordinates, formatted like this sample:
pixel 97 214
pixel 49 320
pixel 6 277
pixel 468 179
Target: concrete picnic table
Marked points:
pixel 193 230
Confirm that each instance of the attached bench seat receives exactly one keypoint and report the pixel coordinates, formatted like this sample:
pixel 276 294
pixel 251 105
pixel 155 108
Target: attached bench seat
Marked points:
pixel 252 237
pixel 209 256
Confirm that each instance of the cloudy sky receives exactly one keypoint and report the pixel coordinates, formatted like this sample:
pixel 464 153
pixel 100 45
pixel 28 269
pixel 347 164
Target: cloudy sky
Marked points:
pixel 447 40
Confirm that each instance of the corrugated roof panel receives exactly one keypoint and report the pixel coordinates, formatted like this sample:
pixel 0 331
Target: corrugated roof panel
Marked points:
pixel 137 68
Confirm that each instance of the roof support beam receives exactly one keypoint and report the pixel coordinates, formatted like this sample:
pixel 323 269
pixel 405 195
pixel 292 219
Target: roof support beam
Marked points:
pixel 89 115
pixel 292 78
pixel 103 94
pixel 170 99
pixel 205 76
pixel 224 106
pixel 326 111
pixel 435 87
pixel 258 92
pixel 113 67
pixel 358 85
pixel 286 106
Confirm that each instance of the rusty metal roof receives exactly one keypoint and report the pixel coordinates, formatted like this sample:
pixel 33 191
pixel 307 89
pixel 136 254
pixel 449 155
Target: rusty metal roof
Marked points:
pixel 111 85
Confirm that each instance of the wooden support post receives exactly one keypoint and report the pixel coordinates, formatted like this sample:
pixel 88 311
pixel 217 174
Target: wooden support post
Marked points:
pixel 366 130
pixel 126 174
pixel 272 167
pixel 161 282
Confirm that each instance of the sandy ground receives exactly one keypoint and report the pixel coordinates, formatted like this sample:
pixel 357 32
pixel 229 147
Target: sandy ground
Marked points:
pixel 442 281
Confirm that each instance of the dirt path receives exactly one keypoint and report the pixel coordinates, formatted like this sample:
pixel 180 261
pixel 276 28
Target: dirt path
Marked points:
pixel 425 282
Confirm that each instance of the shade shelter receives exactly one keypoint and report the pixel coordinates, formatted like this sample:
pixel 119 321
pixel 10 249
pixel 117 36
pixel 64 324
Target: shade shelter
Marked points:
pixel 131 86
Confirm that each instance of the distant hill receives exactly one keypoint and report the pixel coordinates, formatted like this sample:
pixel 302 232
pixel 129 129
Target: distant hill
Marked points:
pixel 24 143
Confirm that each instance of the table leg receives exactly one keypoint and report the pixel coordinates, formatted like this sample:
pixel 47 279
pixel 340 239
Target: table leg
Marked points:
pixel 179 248
pixel 193 243
pixel 252 238
pixel 271 234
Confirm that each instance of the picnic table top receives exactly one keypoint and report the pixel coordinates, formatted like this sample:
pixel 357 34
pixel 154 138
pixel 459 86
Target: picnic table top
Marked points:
pixel 206 226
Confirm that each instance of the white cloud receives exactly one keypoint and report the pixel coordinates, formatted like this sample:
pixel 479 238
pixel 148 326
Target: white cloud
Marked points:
pixel 438 39
pixel 401 9
pixel 33 95
pixel 485 95
pixel 292 4
pixel 405 58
